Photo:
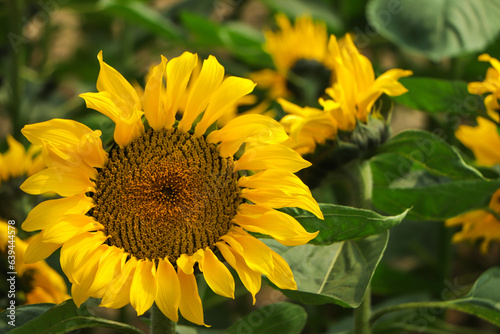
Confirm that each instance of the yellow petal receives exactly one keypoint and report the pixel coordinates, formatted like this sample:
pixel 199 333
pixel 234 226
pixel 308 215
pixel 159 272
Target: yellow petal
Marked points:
pixel 190 305
pixel 282 275
pixel 51 211
pixel 271 156
pixel 251 279
pixel 57 131
pixel 59 180
pixel 153 94
pixel 208 81
pixel 279 225
pixel 112 81
pixel 70 226
pixel 15 157
pixel 38 249
pixel 256 254
pixel 283 185
pixel 482 139
pixel 247 128
pixel 168 297
pixel 178 73
pixel 185 263
pixel 74 252
pixel 85 276
pixel 277 198
pixel 218 277
pixel 143 288
pixel 117 293
pixel 110 266
pixel 127 119
pixel 66 159
pixel 224 98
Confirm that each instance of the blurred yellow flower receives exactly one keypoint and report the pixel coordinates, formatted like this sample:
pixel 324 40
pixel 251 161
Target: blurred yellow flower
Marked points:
pixel 40 282
pixel 301 47
pixel 479 224
pixel 17 161
pixel 484 140
pixel 353 95
pixel 136 223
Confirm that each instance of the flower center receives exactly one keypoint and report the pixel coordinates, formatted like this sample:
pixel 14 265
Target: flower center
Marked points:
pixel 308 80
pixel 167 193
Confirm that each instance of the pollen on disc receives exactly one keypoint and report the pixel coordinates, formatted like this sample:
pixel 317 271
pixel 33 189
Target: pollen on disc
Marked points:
pixel 167 193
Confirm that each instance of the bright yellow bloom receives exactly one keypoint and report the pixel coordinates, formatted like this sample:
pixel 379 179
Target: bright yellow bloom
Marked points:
pixel 483 140
pixel 18 161
pixel 136 223
pixel 491 83
pixel 304 41
pixel 353 95
pixel 479 224
pixel 42 283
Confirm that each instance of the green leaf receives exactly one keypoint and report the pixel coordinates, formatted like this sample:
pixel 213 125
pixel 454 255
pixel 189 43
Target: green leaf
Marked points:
pixel 438 95
pixel 23 314
pixel 205 31
pixel 66 317
pixel 139 13
pixel 419 170
pixel 297 8
pixel 483 300
pixel 429 152
pixel 338 273
pixel 436 28
pixel 274 318
pixel 343 223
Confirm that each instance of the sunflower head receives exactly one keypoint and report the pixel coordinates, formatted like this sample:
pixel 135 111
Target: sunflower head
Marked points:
pixel 351 100
pixel 301 57
pixel 171 198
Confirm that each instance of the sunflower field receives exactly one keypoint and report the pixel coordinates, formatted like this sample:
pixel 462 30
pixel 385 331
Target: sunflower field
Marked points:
pixel 250 166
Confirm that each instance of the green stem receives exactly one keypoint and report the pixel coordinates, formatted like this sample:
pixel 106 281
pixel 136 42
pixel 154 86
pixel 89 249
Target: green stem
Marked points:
pixel 427 305
pixel 363 198
pixel 362 315
pixel 160 324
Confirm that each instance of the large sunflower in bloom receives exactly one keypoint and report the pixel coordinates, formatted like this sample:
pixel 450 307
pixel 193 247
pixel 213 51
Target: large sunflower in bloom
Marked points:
pixel 353 95
pixel 298 51
pixel 36 282
pixel 168 200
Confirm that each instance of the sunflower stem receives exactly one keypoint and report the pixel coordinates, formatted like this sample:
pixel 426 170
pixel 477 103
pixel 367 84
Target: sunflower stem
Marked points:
pixel 362 180
pixel 160 324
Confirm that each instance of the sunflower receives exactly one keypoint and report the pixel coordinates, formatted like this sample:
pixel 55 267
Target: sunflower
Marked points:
pixel 483 140
pixel 479 224
pixel 37 282
pixel 169 199
pixel 353 95
pixel 18 161
pixel 298 51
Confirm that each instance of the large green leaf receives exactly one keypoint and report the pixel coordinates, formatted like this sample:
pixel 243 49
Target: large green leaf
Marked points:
pixel 21 315
pixel 338 273
pixel 63 318
pixel 438 95
pixel 139 13
pixel 274 318
pixel 429 152
pixel 297 8
pixel 419 170
pixel 437 28
pixel 343 223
